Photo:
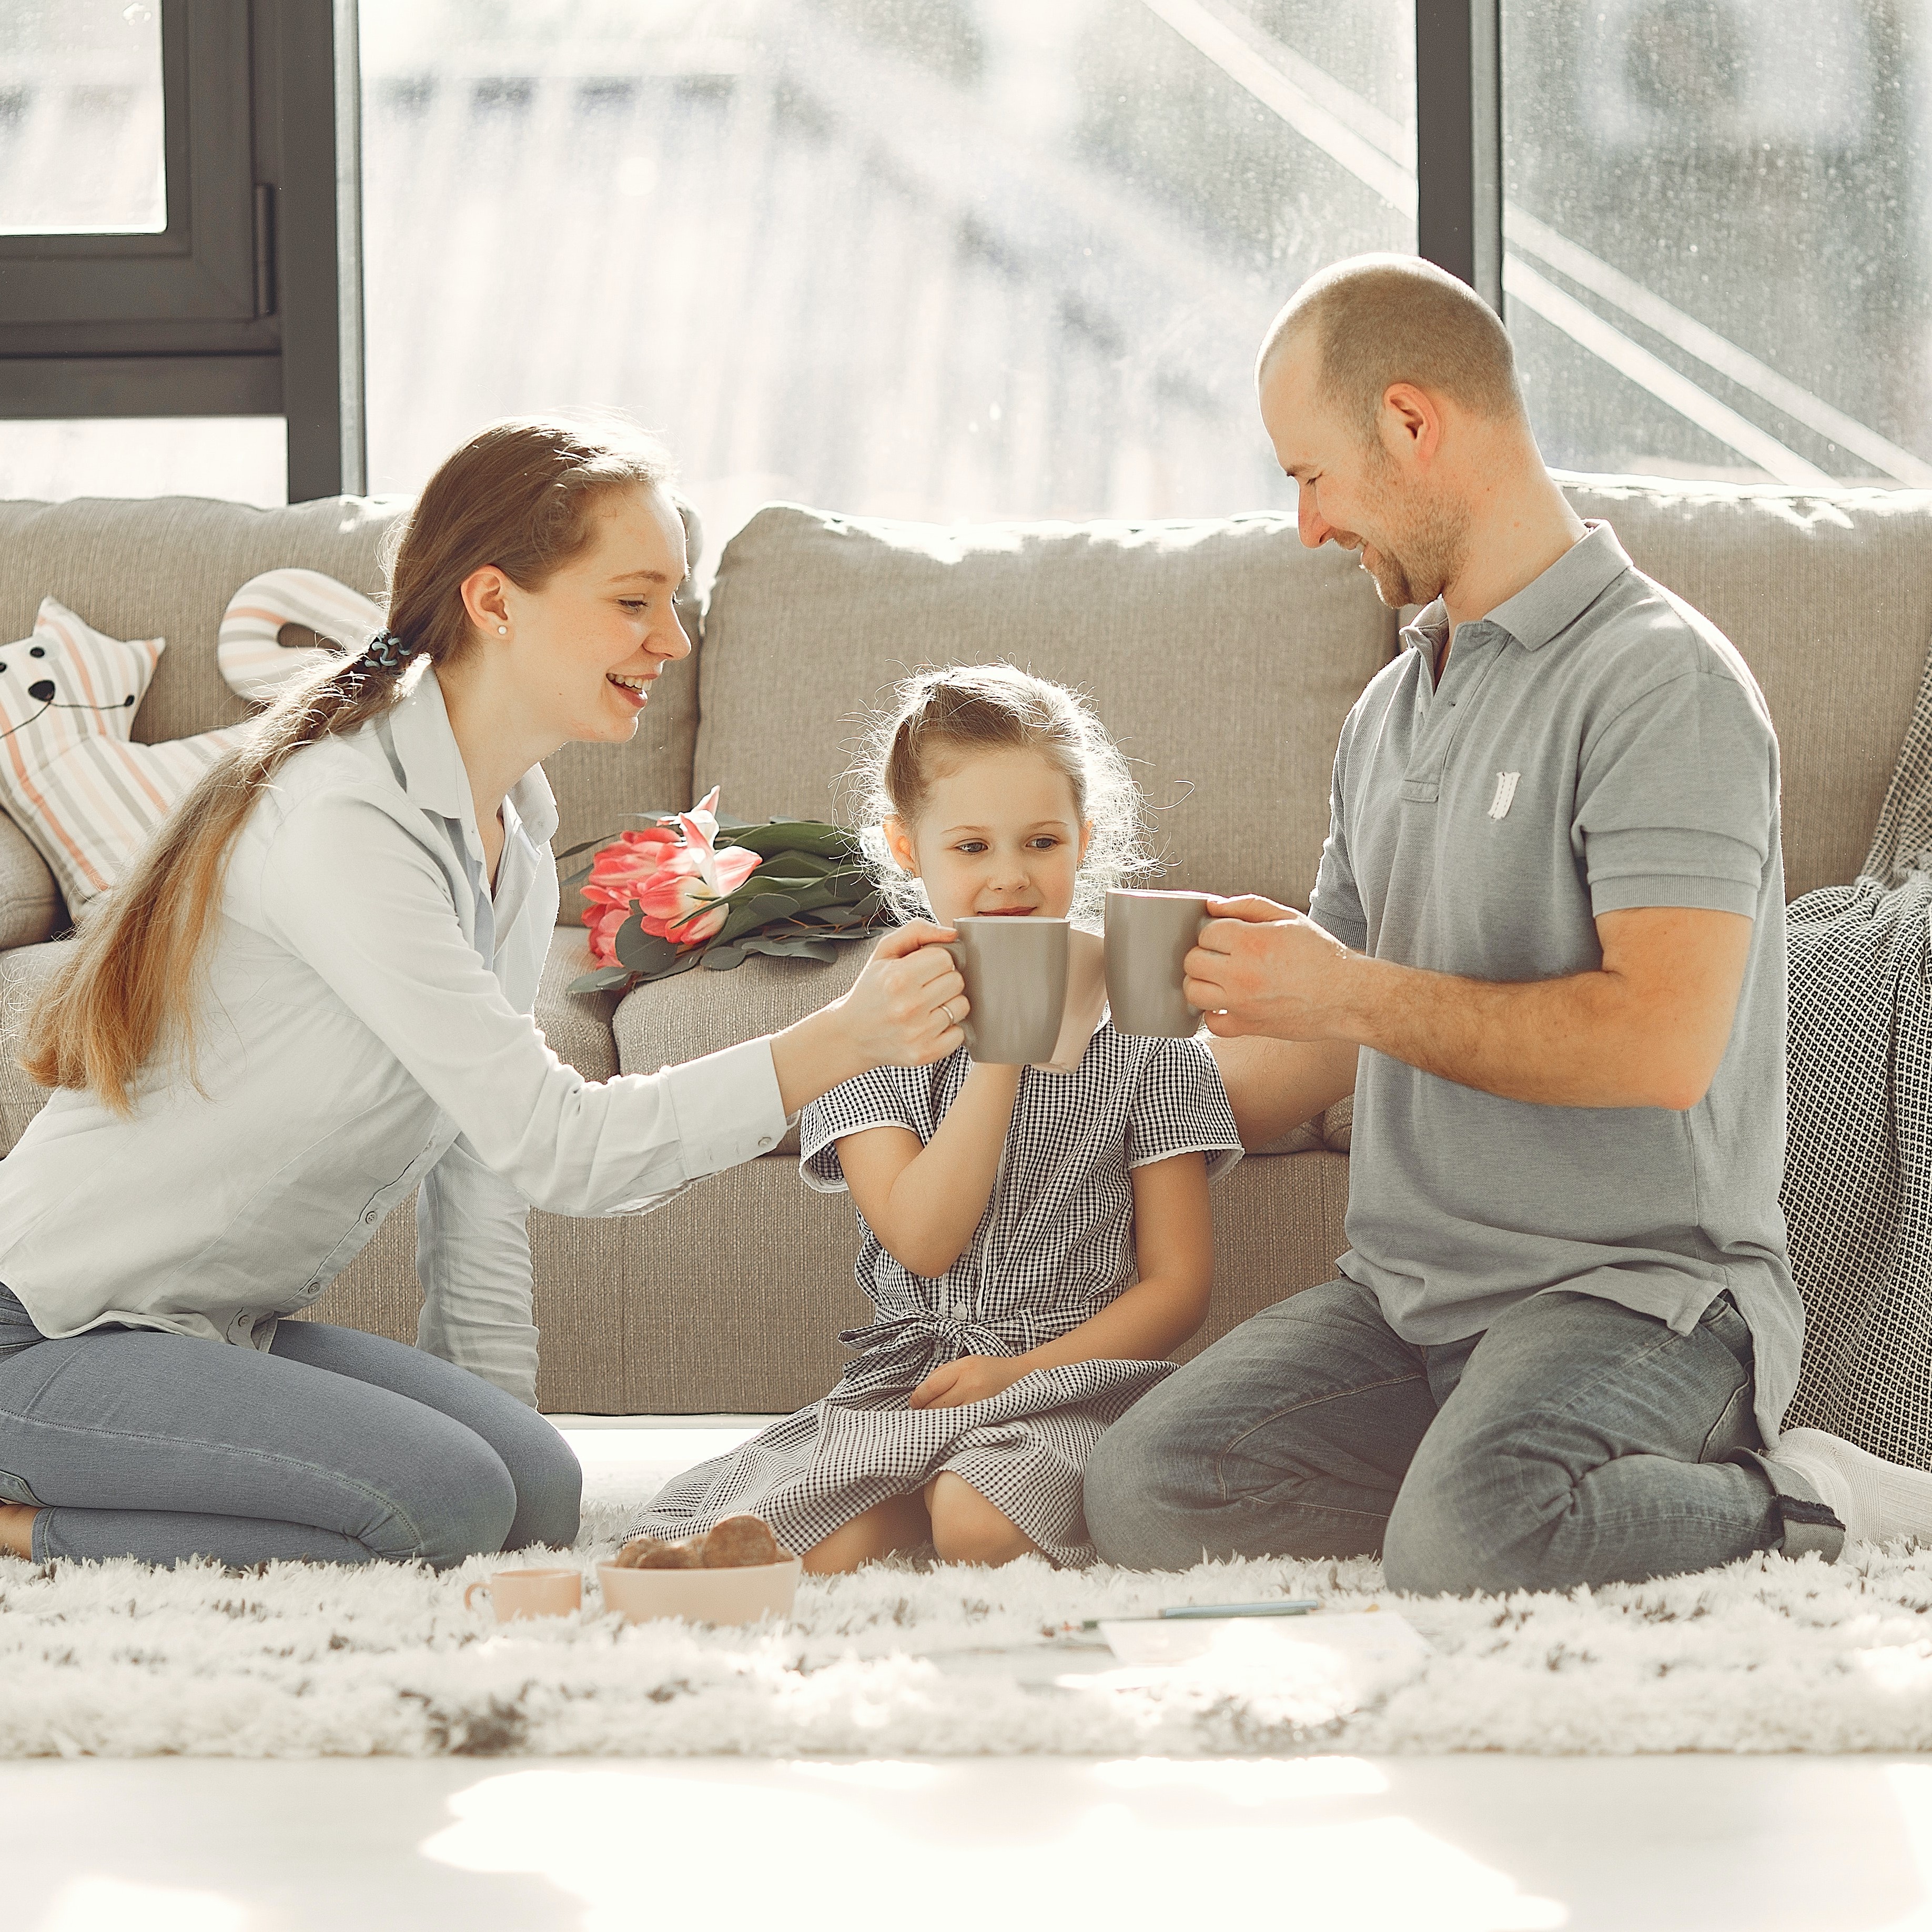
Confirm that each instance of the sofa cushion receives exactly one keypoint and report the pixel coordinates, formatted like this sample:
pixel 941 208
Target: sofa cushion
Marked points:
pixel 731 1296
pixel 23 972
pixel 30 906
pixel 167 567
pixel 1222 656
pixel 577 1025
pixel 1829 596
pixel 668 1021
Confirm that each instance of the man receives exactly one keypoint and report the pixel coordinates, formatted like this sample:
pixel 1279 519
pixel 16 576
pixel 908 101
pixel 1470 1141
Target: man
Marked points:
pixel 1546 951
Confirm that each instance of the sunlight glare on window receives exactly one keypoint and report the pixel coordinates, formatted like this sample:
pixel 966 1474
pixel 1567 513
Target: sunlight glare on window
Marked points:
pixel 81 149
pixel 927 258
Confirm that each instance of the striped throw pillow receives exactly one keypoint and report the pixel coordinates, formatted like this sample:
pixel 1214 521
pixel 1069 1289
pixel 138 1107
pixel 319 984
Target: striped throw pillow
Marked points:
pixel 70 777
pixel 253 661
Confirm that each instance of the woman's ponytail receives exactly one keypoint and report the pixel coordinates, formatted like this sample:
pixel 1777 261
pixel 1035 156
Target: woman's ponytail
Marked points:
pixel 518 496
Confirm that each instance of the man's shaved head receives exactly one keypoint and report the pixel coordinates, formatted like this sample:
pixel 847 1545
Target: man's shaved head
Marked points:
pixel 1377 319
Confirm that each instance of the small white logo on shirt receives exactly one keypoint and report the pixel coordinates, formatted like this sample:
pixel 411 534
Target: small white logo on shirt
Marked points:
pixel 1505 795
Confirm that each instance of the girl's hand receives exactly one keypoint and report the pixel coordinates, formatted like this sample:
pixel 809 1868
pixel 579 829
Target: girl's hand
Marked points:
pixel 971 1378
pixel 905 1007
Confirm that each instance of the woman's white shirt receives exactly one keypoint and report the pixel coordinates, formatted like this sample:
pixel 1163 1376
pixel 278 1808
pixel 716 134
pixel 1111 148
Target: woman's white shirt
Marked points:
pixel 366 1027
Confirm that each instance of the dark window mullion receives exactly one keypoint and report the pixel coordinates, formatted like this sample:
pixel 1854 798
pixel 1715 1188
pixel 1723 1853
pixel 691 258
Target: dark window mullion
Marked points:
pixel 1458 141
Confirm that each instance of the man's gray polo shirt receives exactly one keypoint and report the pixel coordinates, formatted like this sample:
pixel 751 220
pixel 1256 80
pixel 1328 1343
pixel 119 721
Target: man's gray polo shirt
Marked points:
pixel 1595 745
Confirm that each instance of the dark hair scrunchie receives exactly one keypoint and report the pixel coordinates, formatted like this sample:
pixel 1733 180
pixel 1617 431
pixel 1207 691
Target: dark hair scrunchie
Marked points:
pixel 387 653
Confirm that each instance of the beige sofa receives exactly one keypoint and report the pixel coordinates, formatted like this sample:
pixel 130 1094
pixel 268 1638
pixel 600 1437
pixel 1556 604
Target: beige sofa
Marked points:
pixel 1222 655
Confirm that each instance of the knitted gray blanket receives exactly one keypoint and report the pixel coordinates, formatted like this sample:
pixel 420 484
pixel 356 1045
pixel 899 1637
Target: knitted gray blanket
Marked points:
pixel 1858 1172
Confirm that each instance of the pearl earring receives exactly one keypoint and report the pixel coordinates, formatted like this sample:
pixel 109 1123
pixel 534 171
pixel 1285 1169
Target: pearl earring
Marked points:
pixel 503 630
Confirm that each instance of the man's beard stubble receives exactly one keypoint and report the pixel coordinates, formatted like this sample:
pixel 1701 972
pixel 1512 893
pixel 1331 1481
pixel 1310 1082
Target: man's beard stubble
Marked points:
pixel 1433 547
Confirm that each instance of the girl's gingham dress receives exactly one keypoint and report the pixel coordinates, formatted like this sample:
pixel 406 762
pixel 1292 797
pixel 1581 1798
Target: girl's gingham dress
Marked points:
pixel 1055 1246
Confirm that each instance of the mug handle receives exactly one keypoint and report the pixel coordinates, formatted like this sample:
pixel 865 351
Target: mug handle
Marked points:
pixel 481 1583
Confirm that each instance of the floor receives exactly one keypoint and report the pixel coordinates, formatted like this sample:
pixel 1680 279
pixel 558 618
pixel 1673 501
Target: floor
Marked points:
pixel 1411 1845
pixel 1462 1844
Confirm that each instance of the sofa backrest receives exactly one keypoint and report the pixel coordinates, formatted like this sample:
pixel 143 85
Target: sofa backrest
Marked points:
pixel 167 566
pixel 1828 597
pixel 1222 656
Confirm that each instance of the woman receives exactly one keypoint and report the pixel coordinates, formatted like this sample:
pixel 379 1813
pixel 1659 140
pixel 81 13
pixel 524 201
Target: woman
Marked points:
pixel 313 994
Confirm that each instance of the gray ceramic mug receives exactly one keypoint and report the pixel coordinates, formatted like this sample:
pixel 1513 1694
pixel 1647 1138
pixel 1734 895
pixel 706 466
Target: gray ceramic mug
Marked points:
pixel 1148 936
pixel 1016 975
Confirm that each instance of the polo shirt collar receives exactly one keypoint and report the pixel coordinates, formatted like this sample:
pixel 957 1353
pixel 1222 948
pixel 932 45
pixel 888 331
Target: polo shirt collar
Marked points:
pixel 1549 604
pixel 435 777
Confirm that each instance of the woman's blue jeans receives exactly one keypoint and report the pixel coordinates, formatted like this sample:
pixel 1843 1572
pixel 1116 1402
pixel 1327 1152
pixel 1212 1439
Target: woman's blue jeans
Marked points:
pixel 335 1446
pixel 1573 1441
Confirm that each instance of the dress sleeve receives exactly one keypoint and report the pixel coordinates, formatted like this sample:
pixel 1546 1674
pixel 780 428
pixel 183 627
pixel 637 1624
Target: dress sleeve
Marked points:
pixel 882 1098
pixel 1180 1107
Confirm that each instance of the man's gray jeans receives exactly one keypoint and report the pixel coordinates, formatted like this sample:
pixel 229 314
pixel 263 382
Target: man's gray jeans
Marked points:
pixel 1574 1441
pixel 335 1446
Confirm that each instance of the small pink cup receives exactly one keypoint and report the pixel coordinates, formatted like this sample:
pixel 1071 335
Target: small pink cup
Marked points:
pixel 515 1594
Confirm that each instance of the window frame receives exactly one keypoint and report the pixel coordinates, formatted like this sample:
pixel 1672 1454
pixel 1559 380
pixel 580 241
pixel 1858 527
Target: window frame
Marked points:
pixel 1458 141
pixel 249 302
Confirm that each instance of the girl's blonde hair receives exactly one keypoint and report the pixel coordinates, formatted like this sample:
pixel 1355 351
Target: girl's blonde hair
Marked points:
pixel 519 495
pixel 939 717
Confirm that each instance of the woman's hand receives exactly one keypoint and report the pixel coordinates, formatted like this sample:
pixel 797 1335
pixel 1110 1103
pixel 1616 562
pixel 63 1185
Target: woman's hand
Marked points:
pixel 905 1007
pixel 971 1378
pixel 903 1010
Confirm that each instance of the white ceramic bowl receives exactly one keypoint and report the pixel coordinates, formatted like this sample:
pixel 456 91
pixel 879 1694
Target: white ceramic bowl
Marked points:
pixel 702 1596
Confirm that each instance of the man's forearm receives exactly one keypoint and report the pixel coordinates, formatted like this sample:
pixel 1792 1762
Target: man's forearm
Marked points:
pixel 1649 1028
pixel 1577 1042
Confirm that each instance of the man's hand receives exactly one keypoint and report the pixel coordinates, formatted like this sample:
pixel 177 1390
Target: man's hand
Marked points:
pixel 971 1378
pixel 1261 968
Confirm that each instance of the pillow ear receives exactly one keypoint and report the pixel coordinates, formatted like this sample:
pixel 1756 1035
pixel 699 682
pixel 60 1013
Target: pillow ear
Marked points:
pixel 249 652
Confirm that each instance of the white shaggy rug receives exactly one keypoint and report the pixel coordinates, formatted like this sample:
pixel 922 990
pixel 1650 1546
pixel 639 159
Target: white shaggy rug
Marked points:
pixel 1767 1655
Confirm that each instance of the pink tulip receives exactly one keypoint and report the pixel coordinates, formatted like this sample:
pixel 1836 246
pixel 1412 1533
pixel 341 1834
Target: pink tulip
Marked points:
pixel 674 884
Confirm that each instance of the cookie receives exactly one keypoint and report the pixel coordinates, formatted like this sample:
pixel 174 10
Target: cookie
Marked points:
pixel 646 1553
pixel 739 1543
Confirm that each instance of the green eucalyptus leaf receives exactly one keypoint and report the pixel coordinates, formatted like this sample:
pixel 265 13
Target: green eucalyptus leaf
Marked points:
pixel 643 952
pixel 602 979
pixel 722 958
pixel 772 905
pixel 792 949
pixel 799 835
pixel 691 956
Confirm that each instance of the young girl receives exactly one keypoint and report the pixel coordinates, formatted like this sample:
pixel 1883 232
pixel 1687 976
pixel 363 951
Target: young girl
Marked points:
pixel 1006 1211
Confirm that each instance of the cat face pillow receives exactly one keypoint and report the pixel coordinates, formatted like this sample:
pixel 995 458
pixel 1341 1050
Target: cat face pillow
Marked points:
pixel 71 776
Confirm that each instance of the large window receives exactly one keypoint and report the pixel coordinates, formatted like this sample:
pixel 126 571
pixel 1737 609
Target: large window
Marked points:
pixel 81 142
pixel 929 258
pixel 1717 229
pixel 951 258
